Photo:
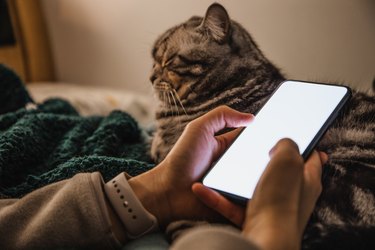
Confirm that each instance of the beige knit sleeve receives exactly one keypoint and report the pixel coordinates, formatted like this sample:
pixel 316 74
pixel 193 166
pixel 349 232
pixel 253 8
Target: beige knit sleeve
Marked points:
pixel 70 213
pixel 213 238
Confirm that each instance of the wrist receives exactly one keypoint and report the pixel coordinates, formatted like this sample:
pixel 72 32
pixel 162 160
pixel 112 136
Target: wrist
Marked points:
pixel 137 220
pixel 272 231
pixel 150 189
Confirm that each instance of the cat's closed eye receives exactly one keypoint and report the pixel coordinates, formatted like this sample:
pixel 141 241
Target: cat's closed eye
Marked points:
pixel 183 66
pixel 193 70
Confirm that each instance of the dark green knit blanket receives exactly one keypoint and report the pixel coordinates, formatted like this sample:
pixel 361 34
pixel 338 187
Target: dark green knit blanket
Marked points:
pixel 50 142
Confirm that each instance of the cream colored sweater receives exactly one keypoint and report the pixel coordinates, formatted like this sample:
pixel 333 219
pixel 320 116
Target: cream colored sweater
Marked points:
pixel 72 214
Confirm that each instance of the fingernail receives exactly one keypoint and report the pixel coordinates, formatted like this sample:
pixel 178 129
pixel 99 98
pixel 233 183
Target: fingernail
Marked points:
pixel 272 151
pixel 324 157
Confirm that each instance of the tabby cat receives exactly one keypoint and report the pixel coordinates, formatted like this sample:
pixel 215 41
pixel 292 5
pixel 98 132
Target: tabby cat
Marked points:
pixel 211 61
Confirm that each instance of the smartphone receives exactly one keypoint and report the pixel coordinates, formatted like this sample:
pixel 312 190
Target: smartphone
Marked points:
pixel 301 111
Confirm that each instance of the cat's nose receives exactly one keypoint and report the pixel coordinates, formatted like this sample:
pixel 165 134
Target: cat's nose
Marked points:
pixel 152 78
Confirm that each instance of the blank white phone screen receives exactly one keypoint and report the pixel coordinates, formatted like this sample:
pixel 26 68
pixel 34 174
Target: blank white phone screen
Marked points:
pixel 297 110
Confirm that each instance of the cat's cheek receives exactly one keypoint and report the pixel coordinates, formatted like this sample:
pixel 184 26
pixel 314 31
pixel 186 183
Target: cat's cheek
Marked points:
pixel 174 77
pixel 183 91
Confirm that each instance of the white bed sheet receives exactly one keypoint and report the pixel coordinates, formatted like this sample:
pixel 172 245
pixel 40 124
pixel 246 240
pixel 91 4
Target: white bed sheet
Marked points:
pixel 94 100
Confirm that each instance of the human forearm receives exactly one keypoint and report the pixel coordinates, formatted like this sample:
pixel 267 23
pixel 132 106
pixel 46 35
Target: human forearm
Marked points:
pixel 65 214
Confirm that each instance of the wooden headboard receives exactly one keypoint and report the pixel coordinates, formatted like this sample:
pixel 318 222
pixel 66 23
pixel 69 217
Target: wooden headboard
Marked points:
pixel 26 49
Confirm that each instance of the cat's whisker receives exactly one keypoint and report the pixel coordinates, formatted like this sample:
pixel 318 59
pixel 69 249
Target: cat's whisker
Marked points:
pixel 163 98
pixel 178 112
pixel 165 103
pixel 175 103
pixel 170 102
pixel 179 100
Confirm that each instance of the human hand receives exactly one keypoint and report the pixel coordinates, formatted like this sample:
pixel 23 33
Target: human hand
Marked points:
pixel 283 200
pixel 166 190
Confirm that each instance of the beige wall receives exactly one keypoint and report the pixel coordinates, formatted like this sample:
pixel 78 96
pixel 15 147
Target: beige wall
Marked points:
pixel 109 41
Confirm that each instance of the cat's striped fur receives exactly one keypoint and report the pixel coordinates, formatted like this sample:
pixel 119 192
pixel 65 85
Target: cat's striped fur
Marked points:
pixel 207 62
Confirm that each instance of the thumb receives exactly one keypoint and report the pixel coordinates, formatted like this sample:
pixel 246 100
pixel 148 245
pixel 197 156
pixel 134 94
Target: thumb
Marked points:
pixel 225 140
pixel 222 117
pixel 282 178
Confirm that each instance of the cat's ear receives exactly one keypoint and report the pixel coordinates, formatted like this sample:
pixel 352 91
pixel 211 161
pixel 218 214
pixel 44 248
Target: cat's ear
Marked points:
pixel 217 22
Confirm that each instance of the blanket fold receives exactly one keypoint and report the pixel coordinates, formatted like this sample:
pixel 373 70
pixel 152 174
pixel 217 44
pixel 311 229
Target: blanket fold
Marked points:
pixel 44 143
